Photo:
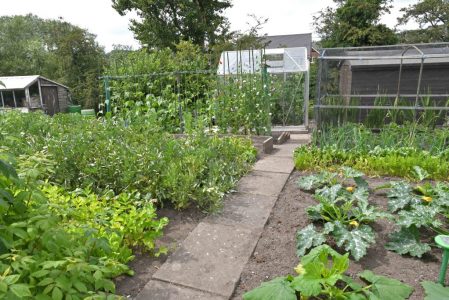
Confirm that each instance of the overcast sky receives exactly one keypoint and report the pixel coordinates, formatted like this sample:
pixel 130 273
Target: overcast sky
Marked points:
pixel 285 16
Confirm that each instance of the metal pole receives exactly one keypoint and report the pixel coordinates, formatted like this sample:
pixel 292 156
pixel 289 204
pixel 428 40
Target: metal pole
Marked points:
pixel 418 89
pixel 318 90
pixel 3 101
pixel 107 94
pixel 306 99
pixel 179 102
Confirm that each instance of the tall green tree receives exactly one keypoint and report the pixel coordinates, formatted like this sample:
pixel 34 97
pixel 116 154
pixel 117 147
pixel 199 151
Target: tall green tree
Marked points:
pixel 432 17
pixel 354 23
pixel 164 23
pixel 55 49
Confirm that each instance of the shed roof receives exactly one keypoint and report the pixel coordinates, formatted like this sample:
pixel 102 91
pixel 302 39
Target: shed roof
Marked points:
pixel 21 82
pixel 288 41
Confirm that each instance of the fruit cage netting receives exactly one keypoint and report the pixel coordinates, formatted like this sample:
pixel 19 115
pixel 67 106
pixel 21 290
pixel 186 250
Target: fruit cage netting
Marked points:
pixel 383 84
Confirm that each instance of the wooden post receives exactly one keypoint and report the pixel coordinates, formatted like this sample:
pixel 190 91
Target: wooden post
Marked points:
pixel 27 96
pixel 40 92
pixel 14 96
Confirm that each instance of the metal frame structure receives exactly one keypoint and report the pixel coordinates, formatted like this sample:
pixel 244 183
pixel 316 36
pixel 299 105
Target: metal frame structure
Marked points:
pixel 402 54
pixel 247 63
pixel 253 61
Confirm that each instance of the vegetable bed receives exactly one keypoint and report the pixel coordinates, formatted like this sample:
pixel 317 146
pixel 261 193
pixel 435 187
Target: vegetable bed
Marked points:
pixel 290 215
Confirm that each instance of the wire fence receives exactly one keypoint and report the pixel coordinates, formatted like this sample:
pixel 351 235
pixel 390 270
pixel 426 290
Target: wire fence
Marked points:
pixel 386 84
pixel 247 103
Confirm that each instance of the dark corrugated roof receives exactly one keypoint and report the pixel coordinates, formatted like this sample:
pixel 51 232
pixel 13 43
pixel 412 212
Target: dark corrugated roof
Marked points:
pixel 288 41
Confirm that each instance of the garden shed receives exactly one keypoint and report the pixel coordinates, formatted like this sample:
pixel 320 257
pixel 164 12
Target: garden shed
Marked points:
pixel 30 93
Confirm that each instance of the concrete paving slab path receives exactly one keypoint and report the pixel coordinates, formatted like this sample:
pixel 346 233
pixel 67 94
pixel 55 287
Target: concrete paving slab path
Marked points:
pixel 244 210
pixel 209 262
pixel 263 183
pixel 159 290
pixel 275 164
pixel 210 258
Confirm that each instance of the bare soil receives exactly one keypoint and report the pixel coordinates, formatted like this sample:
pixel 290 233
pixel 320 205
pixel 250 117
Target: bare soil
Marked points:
pixel 275 252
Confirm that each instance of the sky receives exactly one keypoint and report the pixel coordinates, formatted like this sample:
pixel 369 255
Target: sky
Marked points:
pixel 98 16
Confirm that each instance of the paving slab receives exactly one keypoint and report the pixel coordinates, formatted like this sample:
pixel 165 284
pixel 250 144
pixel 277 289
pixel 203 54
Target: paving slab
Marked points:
pixel 210 259
pixel 262 183
pixel 285 150
pixel 158 290
pixel 300 137
pixel 275 164
pixel 245 210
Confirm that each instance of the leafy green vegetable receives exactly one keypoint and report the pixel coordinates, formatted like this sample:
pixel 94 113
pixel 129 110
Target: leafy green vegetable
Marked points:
pixel 386 288
pixel 315 181
pixel 308 238
pixel 435 291
pixel 321 276
pixel 406 241
pixel 419 215
pixel 278 288
pixel 355 240
pixel 400 195
pixel 420 173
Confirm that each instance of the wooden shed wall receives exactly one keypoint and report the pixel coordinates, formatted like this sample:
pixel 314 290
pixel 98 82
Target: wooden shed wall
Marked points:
pixel 384 79
pixel 63 94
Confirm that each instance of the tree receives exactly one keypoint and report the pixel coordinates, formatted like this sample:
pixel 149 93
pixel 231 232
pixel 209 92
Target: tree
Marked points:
pixel 432 17
pixel 164 23
pixel 354 23
pixel 54 49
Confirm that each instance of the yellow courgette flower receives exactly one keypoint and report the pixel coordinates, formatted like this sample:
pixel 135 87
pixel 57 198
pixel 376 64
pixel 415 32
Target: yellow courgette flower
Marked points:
pixel 354 223
pixel 426 199
pixel 300 269
pixel 350 189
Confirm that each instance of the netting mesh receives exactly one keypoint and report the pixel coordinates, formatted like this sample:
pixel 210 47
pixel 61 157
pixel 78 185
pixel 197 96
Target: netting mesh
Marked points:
pixel 378 85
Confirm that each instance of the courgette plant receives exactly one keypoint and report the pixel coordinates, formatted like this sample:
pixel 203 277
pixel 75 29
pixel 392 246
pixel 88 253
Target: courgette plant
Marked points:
pixel 419 209
pixel 321 275
pixel 343 213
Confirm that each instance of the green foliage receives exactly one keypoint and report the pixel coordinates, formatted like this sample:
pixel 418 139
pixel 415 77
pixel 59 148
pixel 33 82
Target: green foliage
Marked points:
pixel 278 288
pixel 346 214
pixel 315 181
pixel 55 49
pixel 418 209
pixel 169 87
pixel 386 288
pixel 394 151
pixel 407 241
pixel 55 245
pixel 354 23
pixel 321 276
pixel 105 155
pixel 164 24
pixel 432 16
pixel 435 291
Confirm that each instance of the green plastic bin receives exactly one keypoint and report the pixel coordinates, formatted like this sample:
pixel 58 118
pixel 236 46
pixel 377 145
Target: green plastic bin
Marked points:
pixel 88 112
pixel 74 109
